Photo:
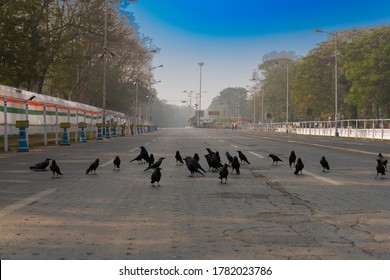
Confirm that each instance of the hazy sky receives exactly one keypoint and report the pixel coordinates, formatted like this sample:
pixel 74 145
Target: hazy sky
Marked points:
pixel 231 37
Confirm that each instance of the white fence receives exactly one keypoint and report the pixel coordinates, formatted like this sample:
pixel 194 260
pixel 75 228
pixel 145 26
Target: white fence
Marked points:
pixel 359 128
pixel 46 113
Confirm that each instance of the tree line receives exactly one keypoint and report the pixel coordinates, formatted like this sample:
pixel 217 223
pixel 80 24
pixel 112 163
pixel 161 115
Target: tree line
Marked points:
pixel 363 81
pixel 58 48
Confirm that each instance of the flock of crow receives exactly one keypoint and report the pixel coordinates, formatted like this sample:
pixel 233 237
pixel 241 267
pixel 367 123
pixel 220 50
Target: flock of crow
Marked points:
pixel 213 160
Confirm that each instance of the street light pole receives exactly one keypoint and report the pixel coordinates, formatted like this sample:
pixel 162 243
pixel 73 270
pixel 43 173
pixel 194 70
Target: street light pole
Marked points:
pixel 287 81
pixel 334 34
pixel 138 112
pixel 104 62
pixel 200 90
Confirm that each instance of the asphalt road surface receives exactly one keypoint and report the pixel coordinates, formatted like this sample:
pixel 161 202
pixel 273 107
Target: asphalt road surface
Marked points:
pixel 265 212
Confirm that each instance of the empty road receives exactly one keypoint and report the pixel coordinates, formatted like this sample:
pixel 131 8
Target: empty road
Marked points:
pixel 265 212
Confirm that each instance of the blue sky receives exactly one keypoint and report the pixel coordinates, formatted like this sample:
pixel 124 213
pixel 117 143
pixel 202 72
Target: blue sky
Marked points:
pixel 231 37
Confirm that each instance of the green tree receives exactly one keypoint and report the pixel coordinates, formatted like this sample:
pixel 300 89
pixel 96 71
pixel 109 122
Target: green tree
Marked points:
pixel 277 72
pixel 231 102
pixel 367 67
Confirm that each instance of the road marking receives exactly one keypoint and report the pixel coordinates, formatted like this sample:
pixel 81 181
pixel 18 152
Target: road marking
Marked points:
pixel 133 150
pixel 222 141
pixel 9 209
pixel 327 180
pixel 106 163
pixel 260 156
pixel 234 146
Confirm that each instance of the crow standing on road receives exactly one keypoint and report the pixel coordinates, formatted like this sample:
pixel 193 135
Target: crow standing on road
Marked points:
pixel 196 157
pixel 235 165
pixel 156 164
pixel 292 158
pixel 156 176
pixel 275 159
pixel 229 157
pixel 145 155
pixel 217 156
pixel 193 166
pixel 55 168
pixel 224 172
pixel 324 163
pixel 299 166
pixel 211 153
pixel 137 158
pixel 92 168
pixel 41 166
pixel 383 160
pixel 213 162
pixel 117 162
pixel 380 168
pixel 151 159
pixel 179 159
pixel 242 157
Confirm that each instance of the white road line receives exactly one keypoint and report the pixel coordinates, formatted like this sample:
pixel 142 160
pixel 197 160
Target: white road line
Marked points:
pixel 222 141
pixel 327 180
pixel 9 209
pixel 234 146
pixel 260 156
pixel 133 150
pixel 106 163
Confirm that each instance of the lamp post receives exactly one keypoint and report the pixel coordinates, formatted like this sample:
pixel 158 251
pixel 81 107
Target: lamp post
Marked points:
pixel 190 96
pixel 287 98
pixel 201 63
pixel 150 97
pixel 334 34
pixel 137 81
pixel 104 65
pixel 261 119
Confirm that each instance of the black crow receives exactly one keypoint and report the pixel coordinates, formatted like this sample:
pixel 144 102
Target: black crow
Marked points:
pixel 55 168
pixel 196 157
pixel 298 167
pixel 235 165
pixel 224 172
pixel 380 168
pixel 217 156
pixel 275 159
pixel 156 176
pixel 117 162
pixel 213 163
pixel 193 166
pixel 92 168
pixel 156 164
pixel 145 154
pixel 324 164
pixel 41 166
pixel 137 158
pixel 151 159
pixel 211 153
pixel 384 161
pixel 292 158
pixel 242 157
pixel 199 166
pixel 179 159
pixel 229 157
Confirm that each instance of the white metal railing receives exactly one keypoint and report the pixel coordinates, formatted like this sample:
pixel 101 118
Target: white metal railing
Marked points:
pixel 354 128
